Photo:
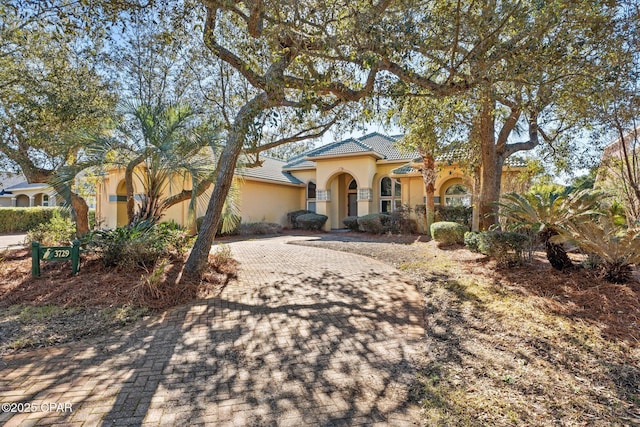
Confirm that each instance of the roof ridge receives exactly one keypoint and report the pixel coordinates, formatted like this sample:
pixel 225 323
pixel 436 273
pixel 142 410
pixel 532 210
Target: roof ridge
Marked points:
pixel 375 133
pixel 313 150
pixel 357 141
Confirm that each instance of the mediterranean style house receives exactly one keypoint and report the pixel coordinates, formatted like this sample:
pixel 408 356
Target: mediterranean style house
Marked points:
pixel 353 177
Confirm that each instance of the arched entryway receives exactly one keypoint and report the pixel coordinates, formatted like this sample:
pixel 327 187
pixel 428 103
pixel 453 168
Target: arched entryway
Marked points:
pixel 343 188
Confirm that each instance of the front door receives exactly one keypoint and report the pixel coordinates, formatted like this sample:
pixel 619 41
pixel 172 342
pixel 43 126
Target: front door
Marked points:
pixel 353 205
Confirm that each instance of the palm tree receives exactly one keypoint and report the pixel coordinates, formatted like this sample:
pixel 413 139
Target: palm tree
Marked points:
pixel 547 215
pixel 164 145
pixel 167 150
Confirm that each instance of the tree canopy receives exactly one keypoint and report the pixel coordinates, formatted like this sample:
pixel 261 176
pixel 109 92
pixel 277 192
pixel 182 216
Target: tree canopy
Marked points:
pixel 279 72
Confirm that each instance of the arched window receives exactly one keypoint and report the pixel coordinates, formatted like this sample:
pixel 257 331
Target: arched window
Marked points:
pixel 457 195
pixel 390 193
pixel 45 200
pixel 311 196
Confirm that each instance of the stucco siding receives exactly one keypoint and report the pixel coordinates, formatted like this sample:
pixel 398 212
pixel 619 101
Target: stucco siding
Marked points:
pixel 265 202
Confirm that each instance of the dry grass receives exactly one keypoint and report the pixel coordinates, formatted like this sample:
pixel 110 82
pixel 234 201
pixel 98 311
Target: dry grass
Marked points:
pixel 525 346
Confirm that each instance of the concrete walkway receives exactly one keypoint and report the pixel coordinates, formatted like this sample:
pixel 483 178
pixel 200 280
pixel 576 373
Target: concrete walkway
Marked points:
pixel 306 336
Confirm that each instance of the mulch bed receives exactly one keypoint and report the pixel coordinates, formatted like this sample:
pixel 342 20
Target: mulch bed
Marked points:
pixel 58 307
pixel 579 294
pixel 99 286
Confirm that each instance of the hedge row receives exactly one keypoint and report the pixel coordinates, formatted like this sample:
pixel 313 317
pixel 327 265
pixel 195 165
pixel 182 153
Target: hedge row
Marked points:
pixel 24 219
pixel 380 223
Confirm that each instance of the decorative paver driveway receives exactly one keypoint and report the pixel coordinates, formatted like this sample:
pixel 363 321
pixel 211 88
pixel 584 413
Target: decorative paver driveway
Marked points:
pixel 306 336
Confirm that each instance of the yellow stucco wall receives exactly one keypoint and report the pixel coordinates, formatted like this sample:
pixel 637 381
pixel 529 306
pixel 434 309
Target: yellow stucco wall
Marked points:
pixel 113 213
pixel 335 174
pixel 265 202
pixel 270 202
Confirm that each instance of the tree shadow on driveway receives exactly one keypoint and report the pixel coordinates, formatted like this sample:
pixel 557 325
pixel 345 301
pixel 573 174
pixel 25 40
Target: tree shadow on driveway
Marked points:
pixel 322 348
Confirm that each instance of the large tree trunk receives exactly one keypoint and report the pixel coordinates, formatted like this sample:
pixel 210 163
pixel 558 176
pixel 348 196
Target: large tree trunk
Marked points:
pixel 79 206
pixel 429 178
pixel 475 219
pixel 491 166
pixel 226 167
pixel 81 209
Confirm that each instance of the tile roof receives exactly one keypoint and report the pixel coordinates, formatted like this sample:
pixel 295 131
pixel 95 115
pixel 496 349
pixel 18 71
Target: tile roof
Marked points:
pixel 348 146
pixel 515 162
pixel 385 146
pixel 375 143
pixel 299 162
pixel 9 179
pixel 270 170
pixel 405 170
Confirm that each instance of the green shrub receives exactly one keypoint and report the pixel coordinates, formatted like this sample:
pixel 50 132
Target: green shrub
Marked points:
pixel 472 240
pixel 25 219
pixel 351 222
pixel 400 221
pixel 292 218
pixel 613 250
pixel 506 247
pixel 460 214
pixel 259 228
pixel 375 223
pixel 173 237
pixel 311 221
pixel 139 244
pixel 93 221
pixel 58 231
pixel 448 233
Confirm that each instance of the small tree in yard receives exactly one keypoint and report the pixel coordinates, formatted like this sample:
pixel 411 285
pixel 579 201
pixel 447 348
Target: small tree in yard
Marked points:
pixel 547 217
pixel 616 248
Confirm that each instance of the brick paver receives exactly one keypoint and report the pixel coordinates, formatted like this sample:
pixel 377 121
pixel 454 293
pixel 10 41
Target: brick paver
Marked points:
pixel 306 336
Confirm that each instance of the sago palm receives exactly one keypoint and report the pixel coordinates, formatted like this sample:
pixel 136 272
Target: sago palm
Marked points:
pixel 616 247
pixel 546 215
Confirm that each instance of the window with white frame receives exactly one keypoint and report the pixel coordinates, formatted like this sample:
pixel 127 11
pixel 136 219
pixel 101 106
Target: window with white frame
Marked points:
pixel 390 195
pixel 45 200
pixel 311 196
pixel 457 195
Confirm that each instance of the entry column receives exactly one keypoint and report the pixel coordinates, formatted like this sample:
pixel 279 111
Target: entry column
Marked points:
pixel 365 201
pixel 323 206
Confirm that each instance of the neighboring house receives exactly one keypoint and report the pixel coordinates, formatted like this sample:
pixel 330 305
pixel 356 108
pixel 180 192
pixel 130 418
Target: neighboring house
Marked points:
pixel 15 191
pixel 353 177
pixel 613 156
